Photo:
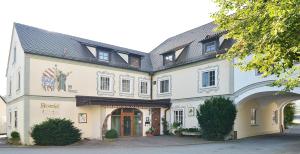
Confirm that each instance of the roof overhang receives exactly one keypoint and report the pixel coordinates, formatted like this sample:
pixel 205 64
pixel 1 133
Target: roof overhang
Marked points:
pixel 121 102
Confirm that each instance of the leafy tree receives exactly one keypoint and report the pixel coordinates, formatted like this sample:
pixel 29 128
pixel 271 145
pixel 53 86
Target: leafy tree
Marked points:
pixel 267 37
pixel 55 132
pixel 216 117
pixel 289 113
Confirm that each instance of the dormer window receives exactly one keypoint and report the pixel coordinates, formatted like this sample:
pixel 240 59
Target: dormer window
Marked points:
pixel 103 56
pixel 169 58
pixel 135 61
pixel 210 46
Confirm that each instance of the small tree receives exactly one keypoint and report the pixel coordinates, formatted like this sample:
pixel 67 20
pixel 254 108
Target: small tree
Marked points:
pixel 216 117
pixel 55 132
pixel 289 113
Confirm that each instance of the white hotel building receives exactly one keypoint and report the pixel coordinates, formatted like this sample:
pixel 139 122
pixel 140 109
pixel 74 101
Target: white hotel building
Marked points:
pixel 100 86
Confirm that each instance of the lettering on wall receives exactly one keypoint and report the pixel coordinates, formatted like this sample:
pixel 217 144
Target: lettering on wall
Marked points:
pixel 54 78
pixel 50 110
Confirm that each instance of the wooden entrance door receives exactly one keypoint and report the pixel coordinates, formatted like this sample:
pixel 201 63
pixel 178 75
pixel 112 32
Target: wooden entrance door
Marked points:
pixel 127 123
pixel 156 120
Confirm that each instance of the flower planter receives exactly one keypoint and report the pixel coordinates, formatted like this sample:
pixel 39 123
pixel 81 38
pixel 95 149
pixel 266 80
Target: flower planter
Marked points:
pixel 185 133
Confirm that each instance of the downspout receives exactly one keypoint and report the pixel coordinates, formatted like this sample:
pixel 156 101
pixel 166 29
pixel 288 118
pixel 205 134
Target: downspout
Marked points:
pixel 151 85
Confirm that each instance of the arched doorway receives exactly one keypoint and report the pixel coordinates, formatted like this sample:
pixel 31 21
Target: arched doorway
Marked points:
pixel 127 121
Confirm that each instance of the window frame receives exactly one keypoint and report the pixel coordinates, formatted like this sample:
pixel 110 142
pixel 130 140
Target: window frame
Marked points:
pixel 99 51
pixel 216 78
pixel 16 119
pixel 172 54
pixel 110 91
pixel 131 84
pixel 19 81
pixel 206 44
pixel 130 57
pixel 148 87
pixel 253 116
pixel 176 118
pixel 159 85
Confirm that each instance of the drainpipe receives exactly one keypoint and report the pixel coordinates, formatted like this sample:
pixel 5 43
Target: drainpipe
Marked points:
pixel 151 85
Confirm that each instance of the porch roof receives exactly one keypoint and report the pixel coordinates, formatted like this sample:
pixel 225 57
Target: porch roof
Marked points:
pixel 111 101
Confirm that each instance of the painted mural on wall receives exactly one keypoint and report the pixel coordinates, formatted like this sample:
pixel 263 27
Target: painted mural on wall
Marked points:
pixel 54 78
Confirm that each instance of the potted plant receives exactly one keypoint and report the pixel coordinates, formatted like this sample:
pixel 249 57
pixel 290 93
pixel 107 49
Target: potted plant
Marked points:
pixel 150 131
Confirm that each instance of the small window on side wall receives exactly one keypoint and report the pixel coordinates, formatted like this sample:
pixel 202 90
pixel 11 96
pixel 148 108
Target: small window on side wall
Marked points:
pixel 253 116
pixel 210 47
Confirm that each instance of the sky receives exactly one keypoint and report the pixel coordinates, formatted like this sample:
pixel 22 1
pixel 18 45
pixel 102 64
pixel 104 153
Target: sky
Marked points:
pixel 136 24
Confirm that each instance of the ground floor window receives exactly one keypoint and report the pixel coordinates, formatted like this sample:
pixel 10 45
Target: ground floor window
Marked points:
pixel 253 116
pixel 178 116
pixel 275 117
pixel 16 119
pixel 127 122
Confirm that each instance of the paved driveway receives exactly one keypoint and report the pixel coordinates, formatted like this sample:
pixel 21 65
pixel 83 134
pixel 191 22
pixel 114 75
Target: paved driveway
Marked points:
pixel 271 144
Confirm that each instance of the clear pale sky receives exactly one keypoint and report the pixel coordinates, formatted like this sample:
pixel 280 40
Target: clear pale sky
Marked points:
pixel 137 24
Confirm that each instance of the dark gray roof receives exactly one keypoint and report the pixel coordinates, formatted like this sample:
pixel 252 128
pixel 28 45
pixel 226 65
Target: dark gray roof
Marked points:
pixel 191 40
pixel 43 42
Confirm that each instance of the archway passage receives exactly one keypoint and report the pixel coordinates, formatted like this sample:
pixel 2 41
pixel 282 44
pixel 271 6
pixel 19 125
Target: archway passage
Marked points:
pixel 262 113
pixel 127 122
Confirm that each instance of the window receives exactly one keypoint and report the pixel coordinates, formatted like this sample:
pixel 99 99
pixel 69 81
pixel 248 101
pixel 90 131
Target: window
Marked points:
pixel 10 87
pixel 209 78
pixel 275 117
pixel 253 116
pixel 103 56
pixel 210 46
pixel 10 117
pixel 16 119
pixel 134 61
pixel 19 81
pixel 104 83
pixel 168 59
pixel 144 87
pixel 15 55
pixel 164 86
pixel 126 86
pixel 178 116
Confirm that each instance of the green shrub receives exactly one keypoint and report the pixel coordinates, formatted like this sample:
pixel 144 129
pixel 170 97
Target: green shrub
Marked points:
pixel 289 114
pixel 166 130
pixel 111 134
pixel 15 135
pixel 55 132
pixel 216 118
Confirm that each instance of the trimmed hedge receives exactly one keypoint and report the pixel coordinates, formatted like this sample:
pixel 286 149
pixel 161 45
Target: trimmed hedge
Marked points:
pixel 216 118
pixel 111 134
pixel 55 132
pixel 15 135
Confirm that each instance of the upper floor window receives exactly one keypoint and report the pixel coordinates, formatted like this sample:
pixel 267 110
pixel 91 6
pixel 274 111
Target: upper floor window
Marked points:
pixel 169 58
pixel 103 56
pixel 144 87
pixel 19 81
pixel 210 46
pixel 134 61
pixel 209 78
pixel 105 83
pixel 15 55
pixel 164 85
pixel 126 86
pixel 10 88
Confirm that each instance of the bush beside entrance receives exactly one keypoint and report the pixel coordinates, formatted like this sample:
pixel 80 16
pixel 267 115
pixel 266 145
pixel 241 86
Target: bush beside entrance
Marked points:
pixel 55 132
pixel 216 118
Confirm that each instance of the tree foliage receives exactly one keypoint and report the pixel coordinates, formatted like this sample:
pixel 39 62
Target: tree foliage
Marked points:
pixel 216 117
pixel 55 132
pixel 289 113
pixel 267 37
